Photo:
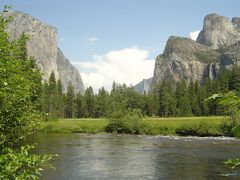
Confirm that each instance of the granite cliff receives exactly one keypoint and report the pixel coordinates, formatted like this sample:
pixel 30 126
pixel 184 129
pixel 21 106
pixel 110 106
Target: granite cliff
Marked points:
pixel 217 46
pixel 219 31
pixel 143 86
pixel 42 45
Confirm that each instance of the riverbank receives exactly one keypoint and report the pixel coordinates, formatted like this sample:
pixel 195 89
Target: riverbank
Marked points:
pixel 199 126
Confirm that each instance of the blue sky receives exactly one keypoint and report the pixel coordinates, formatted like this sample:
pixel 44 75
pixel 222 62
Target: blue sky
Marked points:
pixel 90 30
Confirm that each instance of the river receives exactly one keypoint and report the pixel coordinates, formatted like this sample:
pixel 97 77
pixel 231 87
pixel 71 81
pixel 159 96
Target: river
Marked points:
pixel 104 156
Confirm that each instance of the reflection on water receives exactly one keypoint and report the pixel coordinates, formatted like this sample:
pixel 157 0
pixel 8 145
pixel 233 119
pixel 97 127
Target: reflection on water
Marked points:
pixel 138 157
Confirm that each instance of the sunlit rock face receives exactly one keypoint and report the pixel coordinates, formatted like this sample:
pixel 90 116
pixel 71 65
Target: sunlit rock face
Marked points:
pixel 42 45
pixel 182 58
pixel 217 47
pixel 219 30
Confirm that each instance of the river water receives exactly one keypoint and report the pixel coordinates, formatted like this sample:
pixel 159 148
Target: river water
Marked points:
pixel 104 156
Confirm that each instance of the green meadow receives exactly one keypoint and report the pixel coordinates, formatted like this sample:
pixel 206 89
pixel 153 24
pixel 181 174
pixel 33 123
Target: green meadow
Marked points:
pixel 157 126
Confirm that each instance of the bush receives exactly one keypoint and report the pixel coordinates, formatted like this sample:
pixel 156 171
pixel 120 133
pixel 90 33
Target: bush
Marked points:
pixel 200 129
pixel 22 165
pixel 236 131
pixel 20 86
pixel 129 123
pixel 226 129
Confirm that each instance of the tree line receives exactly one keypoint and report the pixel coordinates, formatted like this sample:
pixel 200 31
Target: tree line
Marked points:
pixel 166 99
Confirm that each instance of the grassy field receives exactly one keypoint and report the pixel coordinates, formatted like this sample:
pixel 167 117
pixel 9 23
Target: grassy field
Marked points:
pixel 164 126
pixel 76 126
pixel 168 126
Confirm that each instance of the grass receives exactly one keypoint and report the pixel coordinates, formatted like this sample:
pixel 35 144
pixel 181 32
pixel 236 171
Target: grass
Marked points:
pixel 76 126
pixel 163 126
pixel 168 126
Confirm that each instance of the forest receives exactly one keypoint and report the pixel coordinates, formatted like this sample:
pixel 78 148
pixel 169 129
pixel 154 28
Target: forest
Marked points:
pixel 168 99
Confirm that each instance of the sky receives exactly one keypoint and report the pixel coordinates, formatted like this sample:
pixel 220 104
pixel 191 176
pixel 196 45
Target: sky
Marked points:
pixel 119 40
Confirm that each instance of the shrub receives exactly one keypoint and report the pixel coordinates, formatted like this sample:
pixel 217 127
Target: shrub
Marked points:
pixel 129 123
pixel 22 165
pixel 226 129
pixel 20 85
pixel 200 129
pixel 236 131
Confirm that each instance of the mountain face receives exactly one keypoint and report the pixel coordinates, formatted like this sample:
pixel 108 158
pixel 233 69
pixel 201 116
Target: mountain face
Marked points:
pixel 219 30
pixel 217 46
pixel 143 86
pixel 42 45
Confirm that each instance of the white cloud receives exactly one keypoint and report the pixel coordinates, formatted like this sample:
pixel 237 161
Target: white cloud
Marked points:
pixel 92 39
pixel 127 66
pixel 194 35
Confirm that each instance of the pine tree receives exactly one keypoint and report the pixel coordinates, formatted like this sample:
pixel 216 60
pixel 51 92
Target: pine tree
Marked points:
pixel 148 105
pixel 164 100
pixel 184 106
pixel 79 105
pixel 194 103
pixel 223 80
pixel 182 97
pixel 101 103
pixel 89 102
pixel 69 102
pixel 52 96
pixel 44 100
pixel 235 79
pixel 60 99
pixel 202 95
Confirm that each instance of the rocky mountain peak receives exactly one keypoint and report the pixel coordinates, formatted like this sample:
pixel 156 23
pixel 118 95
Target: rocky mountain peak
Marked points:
pixel 218 31
pixel 42 45
pixel 217 46
pixel 182 45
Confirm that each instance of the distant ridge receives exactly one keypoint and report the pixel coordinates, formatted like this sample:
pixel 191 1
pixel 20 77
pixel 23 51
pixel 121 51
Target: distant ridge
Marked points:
pixel 143 86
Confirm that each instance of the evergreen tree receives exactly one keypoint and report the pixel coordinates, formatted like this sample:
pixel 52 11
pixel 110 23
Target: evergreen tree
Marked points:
pixel 164 101
pixel 44 100
pixel 148 105
pixel 60 99
pixel 89 102
pixel 194 103
pixel 202 95
pixel 182 97
pixel 223 80
pixel 235 79
pixel 101 103
pixel 132 98
pixel 184 105
pixel 52 97
pixel 69 112
pixel 79 105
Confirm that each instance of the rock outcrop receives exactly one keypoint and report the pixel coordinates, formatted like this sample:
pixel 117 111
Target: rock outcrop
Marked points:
pixel 184 58
pixel 42 45
pixel 143 87
pixel 217 46
pixel 219 31
pixel 68 73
